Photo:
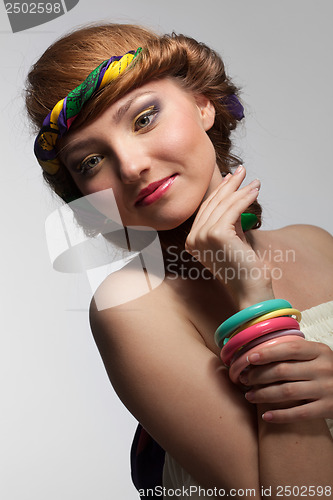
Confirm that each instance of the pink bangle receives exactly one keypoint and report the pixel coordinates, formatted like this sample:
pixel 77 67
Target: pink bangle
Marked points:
pixel 255 331
pixel 241 363
pixel 264 338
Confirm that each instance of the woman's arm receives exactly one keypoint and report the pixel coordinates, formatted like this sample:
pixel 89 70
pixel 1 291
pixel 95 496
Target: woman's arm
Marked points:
pixel 217 227
pixel 302 371
pixel 178 389
pixel 297 457
pixel 180 392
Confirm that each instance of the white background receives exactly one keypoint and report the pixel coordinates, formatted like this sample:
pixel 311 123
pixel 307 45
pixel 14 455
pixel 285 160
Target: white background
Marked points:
pixel 63 432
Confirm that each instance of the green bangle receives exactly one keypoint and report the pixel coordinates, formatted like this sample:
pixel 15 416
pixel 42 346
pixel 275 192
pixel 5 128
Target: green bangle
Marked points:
pixel 242 317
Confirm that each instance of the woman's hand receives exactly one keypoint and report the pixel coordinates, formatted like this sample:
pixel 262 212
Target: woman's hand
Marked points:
pixel 301 372
pixel 216 239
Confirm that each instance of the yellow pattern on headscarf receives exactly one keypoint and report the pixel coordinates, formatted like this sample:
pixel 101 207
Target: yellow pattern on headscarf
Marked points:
pixel 55 114
pixel 116 68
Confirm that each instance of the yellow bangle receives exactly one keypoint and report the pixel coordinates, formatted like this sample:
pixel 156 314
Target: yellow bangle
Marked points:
pixel 270 315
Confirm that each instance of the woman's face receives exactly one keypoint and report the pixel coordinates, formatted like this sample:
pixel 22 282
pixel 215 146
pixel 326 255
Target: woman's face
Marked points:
pixel 152 149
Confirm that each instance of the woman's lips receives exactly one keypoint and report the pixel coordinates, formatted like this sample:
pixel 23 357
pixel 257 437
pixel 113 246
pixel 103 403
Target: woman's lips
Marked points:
pixel 154 191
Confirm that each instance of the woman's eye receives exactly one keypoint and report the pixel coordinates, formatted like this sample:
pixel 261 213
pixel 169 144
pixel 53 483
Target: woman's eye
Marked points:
pixel 89 163
pixel 145 119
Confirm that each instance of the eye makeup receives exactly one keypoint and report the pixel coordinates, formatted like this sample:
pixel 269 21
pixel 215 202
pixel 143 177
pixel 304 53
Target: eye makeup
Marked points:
pixel 84 157
pixel 89 164
pixel 145 119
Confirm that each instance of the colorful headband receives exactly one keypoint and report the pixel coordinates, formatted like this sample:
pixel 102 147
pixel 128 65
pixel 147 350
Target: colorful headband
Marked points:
pixel 61 117
pixel 59 120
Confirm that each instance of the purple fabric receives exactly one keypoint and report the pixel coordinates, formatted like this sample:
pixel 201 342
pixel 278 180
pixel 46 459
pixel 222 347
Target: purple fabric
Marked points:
pixel 110 61
pixel 147 461
pixel 234 106
pixel 62 119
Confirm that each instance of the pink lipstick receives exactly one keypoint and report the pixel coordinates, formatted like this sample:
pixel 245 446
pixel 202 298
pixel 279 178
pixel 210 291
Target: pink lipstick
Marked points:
pixel 154 191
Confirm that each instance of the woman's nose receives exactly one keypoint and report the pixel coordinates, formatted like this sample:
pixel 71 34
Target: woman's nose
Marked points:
pixel 133 162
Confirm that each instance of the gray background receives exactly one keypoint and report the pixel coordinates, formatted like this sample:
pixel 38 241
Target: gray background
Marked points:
pixel 63 432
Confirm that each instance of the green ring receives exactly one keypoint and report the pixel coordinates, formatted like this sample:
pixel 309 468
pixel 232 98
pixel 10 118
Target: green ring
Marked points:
pixel 248 221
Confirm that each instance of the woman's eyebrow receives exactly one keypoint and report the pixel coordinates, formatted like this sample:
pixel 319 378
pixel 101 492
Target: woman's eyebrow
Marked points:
pixel 71 148
pixel 125 107
pixel 78 144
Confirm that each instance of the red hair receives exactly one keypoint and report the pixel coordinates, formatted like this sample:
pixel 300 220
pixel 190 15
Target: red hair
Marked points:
pixel 67 62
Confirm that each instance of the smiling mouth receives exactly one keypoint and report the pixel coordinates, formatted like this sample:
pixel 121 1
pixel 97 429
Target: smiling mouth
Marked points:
pixel 154 191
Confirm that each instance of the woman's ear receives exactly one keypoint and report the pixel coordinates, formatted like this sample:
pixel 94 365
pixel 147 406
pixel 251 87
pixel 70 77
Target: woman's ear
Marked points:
pixel 207 111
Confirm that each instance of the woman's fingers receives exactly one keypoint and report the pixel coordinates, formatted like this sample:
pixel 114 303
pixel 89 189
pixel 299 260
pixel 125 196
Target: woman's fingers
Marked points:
pixel 305 411
pixel 216 239
pixel 298 350
pixel 229 184
pixel 208 205
pixel 293 360
pixel 275 372
pixel 225 216
pixel 299 371
pixel 289 391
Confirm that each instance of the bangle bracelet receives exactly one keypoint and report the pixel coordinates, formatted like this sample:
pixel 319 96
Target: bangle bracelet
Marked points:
pixel 242 362
pixel 264 338
pixel 255 331
pixel 246 315
pixel 273 314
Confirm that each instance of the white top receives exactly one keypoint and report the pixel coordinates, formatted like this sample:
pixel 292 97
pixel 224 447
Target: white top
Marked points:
pixel 317 326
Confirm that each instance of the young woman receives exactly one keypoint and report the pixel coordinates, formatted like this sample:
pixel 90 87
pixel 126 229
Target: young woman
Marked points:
pixel 157 132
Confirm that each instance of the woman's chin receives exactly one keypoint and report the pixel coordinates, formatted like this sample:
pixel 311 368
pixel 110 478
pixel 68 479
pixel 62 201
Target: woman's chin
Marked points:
pixel 176 223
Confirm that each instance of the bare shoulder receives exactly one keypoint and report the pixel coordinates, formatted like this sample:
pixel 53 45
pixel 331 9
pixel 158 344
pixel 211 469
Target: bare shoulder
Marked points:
pixel 302 256
pixel 175 386
pixel 312 246
pixel 128 298
pixel 315 238
pixel 311 243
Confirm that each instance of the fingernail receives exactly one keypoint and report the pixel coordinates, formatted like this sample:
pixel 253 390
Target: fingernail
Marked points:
pixel 267 416
pixel 226 178
pixel 243 377
pixel 255 184
pixel 249 395
pixel 253 357
pixel 239 169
